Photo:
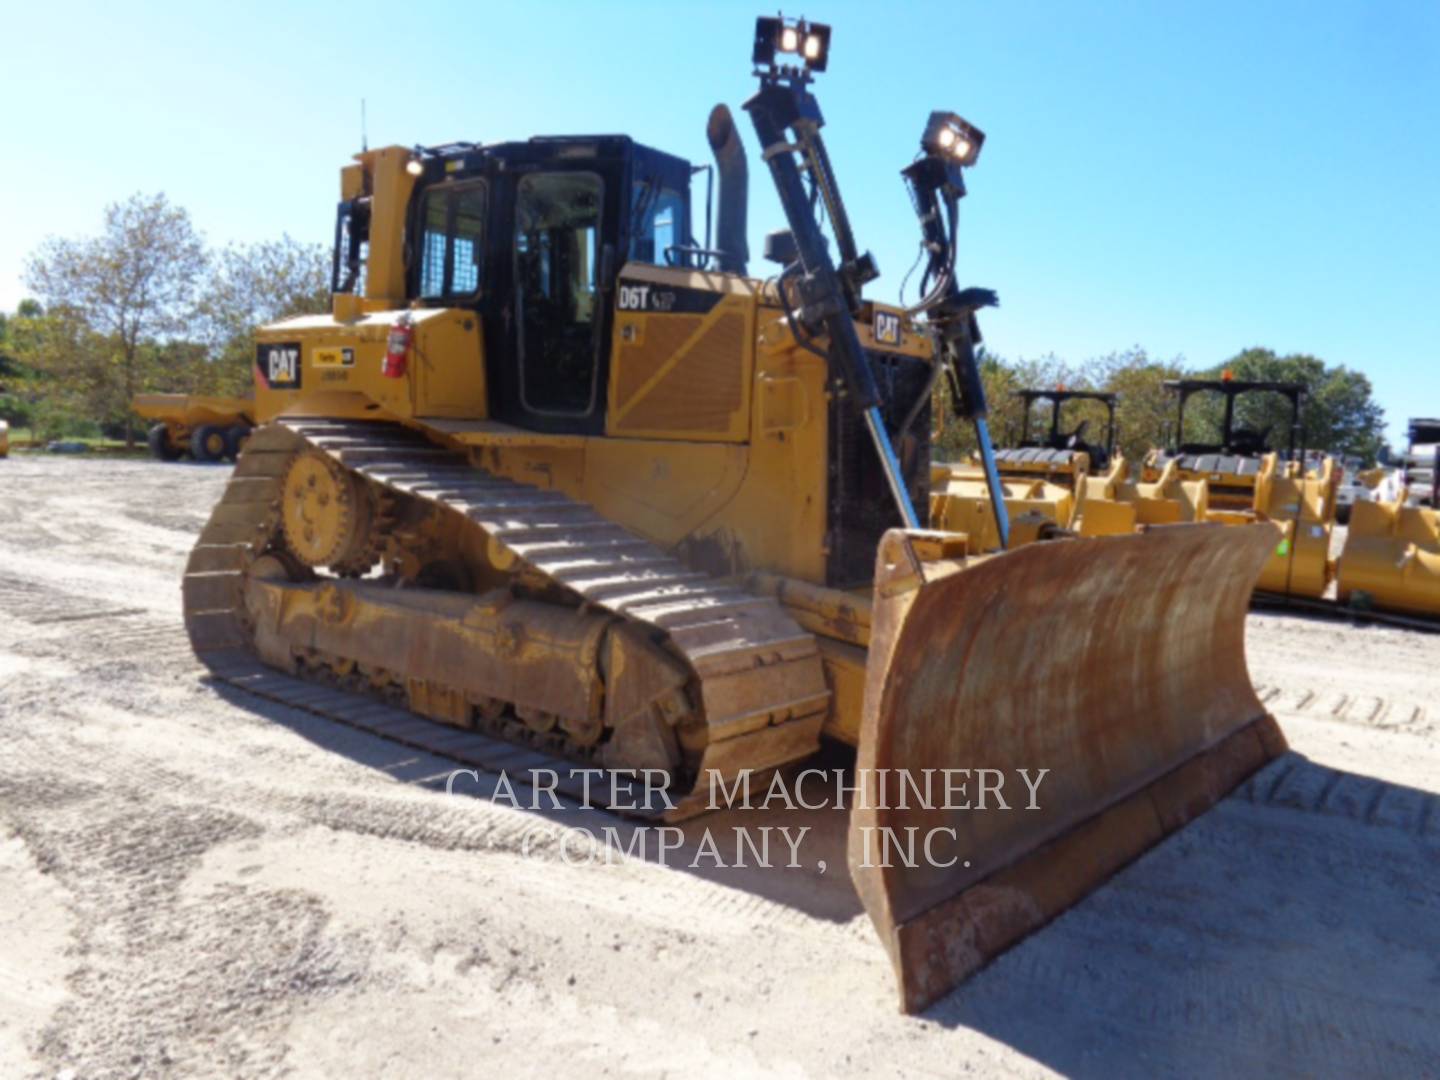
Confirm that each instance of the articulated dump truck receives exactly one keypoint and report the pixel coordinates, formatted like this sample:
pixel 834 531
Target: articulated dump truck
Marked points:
pixel 205 427
pixel 559 473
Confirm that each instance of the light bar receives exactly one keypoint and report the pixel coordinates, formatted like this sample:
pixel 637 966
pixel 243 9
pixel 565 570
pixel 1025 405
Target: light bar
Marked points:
pixel 782 38
pixel 951 138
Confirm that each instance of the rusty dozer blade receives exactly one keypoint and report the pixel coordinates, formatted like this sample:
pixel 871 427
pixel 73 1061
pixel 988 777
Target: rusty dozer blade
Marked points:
pixel 1115 663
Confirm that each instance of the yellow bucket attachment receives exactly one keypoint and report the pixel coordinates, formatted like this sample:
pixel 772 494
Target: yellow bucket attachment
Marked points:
pixel 1300 565
pixel 1039 494
pixel 963 506
pixel 1116 664
pixel 1305 506
pixel 1115 505
pixel 1392 558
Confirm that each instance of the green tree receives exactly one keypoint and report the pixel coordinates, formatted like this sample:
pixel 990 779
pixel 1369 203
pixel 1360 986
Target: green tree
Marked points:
pixel 1143 414
pixel 1339 416
pixel 1002 381
pixel 62 367
pixel 252 284
pixel 134 282
pixel 10 365
pixel 16 392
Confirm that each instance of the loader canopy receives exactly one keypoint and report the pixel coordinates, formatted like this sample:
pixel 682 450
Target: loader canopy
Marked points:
pixel 1055 436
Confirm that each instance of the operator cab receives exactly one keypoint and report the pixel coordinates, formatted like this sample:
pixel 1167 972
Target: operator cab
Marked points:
pixel 531 236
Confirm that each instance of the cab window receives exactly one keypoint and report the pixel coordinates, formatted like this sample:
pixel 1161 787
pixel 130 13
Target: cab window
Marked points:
pixel 658 216
pixel 557 223
pixel 452 229
pixel 352 247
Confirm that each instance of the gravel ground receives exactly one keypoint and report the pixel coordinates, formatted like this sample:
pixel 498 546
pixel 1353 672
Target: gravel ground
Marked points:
pixel 193 881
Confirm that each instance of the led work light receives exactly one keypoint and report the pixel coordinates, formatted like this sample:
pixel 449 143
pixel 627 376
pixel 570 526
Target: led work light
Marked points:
pixel 779 39
pixel 951 138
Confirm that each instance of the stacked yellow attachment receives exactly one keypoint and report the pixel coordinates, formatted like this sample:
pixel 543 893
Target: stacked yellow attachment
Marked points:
pixel 1115 505
pixel 1391 559
pixel 1043 490
pixel 1303 504
pixel 1181 490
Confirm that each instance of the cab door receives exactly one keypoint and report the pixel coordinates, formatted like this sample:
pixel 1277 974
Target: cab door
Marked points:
pixel 556 317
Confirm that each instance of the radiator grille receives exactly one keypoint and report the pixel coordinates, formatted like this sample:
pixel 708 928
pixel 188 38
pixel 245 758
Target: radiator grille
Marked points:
pixel 860 505
pixel 700 391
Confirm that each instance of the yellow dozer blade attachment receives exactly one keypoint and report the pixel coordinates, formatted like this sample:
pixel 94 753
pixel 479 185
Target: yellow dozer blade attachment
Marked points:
pixel 1116 664
pixel 1392 558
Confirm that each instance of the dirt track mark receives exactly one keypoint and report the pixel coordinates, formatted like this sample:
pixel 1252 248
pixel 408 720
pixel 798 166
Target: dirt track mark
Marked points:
pixel 1294 783
pixel 144 638
pixel 1192 955
pixel 1367 710
pixel 42 605
pixel 123 854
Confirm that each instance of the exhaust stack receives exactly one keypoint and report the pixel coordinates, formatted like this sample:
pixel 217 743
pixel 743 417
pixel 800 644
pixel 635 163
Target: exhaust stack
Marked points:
pixel 730 234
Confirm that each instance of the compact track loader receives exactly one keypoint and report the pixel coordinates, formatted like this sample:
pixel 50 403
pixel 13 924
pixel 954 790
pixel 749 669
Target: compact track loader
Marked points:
pixel 556 472
pixel 206 428
pixel 1044 476
pixel 1247 482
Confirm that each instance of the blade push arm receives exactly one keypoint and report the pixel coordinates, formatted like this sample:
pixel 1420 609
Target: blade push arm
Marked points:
pixel 827 295
pixel 936 187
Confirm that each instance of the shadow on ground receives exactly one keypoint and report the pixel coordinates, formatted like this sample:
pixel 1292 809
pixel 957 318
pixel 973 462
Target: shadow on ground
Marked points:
pixel 755 847
pixel 1265 936
pixel 1294 928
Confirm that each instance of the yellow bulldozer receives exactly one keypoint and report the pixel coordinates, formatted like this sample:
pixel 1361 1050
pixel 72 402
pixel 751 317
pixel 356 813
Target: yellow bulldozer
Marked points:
pixel 557 472
pixel 1045 474
pixel 204 427
pixel 1246 481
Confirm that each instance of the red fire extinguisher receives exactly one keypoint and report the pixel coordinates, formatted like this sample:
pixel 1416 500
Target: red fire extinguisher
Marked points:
pixel 397 347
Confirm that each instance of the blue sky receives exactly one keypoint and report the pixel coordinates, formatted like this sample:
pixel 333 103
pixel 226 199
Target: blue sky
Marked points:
pixel 1191 177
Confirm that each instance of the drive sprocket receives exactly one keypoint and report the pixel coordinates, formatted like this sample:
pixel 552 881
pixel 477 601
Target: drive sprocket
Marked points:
pixel 329 515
